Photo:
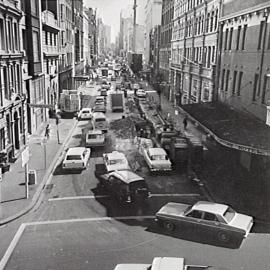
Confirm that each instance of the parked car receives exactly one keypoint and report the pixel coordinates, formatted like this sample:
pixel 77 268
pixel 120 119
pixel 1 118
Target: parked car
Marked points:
pixel 85 113
pixel 126 186
pixel 115 161
pixel 100 100
pixel 164 263
pixel 100 108
pixel 156 159
pixel 141 93
pixel 76 158
pixel 95 138
pixel 213 220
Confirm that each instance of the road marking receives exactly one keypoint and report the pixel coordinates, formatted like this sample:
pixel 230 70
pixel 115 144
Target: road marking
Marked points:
pixel 12 246
pixel 175 195
pixel 21 230
pixel 95 219
pixel 91 197
pixel 78 198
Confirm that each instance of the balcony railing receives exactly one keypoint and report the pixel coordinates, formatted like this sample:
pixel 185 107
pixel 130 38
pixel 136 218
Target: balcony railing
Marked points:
pixel 49 49
pixel 49 19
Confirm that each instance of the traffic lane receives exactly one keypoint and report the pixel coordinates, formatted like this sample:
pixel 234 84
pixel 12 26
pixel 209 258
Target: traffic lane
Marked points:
pixel 101 244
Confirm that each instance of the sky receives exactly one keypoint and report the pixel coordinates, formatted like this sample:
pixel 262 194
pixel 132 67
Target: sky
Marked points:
pixel 109 11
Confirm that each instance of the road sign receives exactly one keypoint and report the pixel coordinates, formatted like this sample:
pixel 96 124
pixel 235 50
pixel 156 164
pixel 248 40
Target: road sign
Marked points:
pixel 25 156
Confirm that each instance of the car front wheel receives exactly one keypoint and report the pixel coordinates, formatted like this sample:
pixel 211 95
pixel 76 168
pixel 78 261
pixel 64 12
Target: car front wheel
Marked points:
pixel 169 226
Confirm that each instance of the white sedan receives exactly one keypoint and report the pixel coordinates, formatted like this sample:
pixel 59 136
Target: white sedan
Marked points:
pixel 115 161
pixel 85 113
pixel 95 138
pixel 156 159
pixel 76 158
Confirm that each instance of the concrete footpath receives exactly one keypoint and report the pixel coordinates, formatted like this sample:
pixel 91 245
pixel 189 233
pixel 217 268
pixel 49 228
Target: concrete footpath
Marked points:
pixel 43 157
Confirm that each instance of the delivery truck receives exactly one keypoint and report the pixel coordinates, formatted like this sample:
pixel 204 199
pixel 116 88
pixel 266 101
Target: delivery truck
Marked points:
pixel 117 102
pixel 70 101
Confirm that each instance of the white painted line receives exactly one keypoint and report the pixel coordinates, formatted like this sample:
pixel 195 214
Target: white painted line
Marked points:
pixel 175 195
pixel 63 221
pixel 12 246
pixel 78 198
pixel 108 196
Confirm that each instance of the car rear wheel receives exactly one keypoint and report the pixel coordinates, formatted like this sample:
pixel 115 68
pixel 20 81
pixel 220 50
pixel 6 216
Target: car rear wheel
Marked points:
pixel 169 226
pixel 223 237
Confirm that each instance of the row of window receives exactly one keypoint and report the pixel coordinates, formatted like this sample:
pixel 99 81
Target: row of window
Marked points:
pixel 196 27
pixel 184 6
pixel 239 38
pixel 234 82
pixel 10 81
pixel 204 55
pixel 50 38
pixel 9 35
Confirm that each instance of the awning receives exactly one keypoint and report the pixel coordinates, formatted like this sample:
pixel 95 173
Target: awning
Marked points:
pixel 231 128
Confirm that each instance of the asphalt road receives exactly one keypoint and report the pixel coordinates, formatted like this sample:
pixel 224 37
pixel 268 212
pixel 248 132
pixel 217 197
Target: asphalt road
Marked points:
pixel 80 226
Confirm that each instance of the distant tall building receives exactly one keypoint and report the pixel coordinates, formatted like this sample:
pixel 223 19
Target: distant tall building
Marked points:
pixel 165 42
pixel 152 18
pixel 107 37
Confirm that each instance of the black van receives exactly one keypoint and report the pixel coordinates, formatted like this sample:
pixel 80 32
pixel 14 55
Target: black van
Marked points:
pixel 126 186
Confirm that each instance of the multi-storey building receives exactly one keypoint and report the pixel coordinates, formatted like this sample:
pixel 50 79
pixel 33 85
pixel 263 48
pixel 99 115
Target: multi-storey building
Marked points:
pixel 101 37
pixel 86 43
pixel 165 40
pixel 152 12
pixel 35 86
pixel 194 44
pixel 77 14
pixel 66 56
pixel 244 66
pixel 50 47
pixel 154 52
pixel 12 92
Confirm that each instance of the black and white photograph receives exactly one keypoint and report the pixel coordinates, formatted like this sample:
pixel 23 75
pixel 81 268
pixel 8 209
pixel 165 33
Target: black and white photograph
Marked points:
pixel 134 134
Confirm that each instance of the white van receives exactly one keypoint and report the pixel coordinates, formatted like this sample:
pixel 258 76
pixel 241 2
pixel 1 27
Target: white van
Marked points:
pixel 99 121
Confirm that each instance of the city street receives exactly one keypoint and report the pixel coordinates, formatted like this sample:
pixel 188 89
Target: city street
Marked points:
pixel 78 225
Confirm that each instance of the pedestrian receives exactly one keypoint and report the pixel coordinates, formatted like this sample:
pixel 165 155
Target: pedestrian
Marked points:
pixel 47 131
pixel 185 122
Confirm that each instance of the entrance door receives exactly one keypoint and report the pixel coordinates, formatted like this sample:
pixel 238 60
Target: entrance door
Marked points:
pixel 16 131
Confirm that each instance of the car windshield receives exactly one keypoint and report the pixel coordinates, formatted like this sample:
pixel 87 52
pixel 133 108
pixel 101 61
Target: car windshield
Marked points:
pixel 85 111
pixel 229 214
pixel 159 157
pixel 94 136
pixel 99 120
pixel 73 157
pixel 116 161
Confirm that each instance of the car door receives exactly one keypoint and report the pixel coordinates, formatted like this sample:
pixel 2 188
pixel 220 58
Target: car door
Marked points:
pixel 192 221
pixel 210 224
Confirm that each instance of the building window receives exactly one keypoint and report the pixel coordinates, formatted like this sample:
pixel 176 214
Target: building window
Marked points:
pixel 223 79
pixel 226 39
pixel 34 7
pixel 2 139
pixel 238 37
pixel 262 25
pixel 36 49
pixel 10 36
pixel 244 36
pixel 265 81
pixel 255 86
pixel 213 54
pixel 230 39
pixel 234 82
pixel 227 80
pixel 2 35
pixel 240 76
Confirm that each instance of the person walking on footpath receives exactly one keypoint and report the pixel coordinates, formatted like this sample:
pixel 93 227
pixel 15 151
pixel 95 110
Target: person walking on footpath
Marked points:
pixel 47 131
pixel 185 122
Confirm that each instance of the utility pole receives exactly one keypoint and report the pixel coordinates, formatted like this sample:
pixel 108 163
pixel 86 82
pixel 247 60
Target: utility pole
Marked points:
pixel 134 25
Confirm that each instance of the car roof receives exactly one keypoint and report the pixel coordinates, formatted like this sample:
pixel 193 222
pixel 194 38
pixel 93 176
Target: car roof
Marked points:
pixel 99 115
pixel 165 263
pixel 156 151
pixel 211 207
pixel 75 150
pixel 86 109
pixel 94 131
pixel 128 176
pixel 115 154
pixel 172 208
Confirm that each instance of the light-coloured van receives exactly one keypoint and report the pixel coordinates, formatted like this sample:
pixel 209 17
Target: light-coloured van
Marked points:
pixel 99 121
pixel 76 158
